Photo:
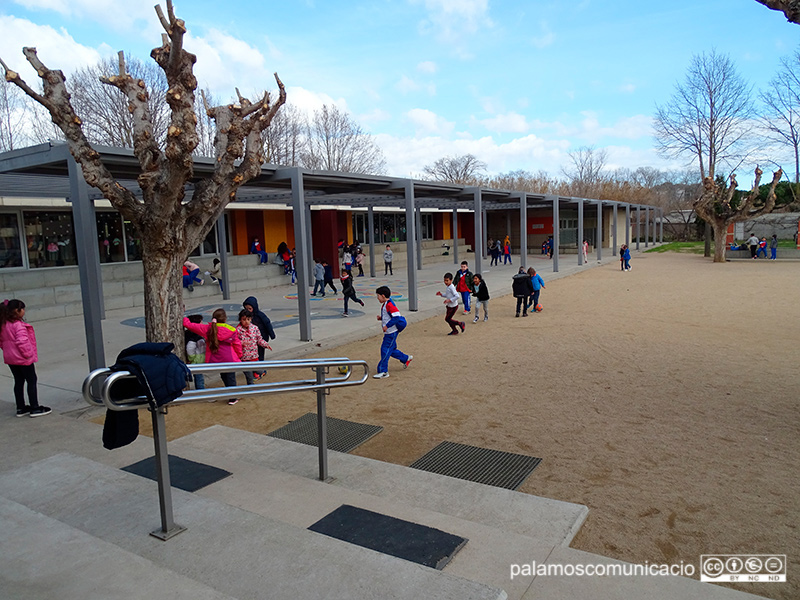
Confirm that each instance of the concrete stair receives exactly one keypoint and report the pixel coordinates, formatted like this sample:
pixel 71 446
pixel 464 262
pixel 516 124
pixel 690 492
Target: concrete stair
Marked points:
pixel 87 525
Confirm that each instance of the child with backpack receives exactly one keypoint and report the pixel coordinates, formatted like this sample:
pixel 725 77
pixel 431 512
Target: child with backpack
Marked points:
pixel 222 344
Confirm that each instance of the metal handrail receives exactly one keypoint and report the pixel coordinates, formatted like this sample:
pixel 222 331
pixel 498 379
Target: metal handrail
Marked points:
pixel 105 379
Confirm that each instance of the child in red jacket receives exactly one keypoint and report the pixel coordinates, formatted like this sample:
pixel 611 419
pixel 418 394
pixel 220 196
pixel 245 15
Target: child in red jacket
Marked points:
pixel 222 344
pixel 18 342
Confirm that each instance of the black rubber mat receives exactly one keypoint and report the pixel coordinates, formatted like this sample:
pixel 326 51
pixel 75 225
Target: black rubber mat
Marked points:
pixel 184 474
pixel 491 467
pixel 343 435
pixel 395 537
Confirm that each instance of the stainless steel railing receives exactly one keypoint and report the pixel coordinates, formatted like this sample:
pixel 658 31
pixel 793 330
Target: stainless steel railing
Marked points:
pixel 99 390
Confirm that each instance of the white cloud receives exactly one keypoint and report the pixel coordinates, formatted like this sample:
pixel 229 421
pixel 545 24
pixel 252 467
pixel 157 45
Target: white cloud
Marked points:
pixel 104 12
pixel 309 101
pixel 545 38
pixel 56 48
pixel 453 22
pixel 406 85
pixel 376 115
pixel 428 123
pixel 427 66
pixel 627 88
pixel 507 123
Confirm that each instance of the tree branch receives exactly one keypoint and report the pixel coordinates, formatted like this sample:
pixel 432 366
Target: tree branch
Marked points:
pixel 790 8
pixel 56 99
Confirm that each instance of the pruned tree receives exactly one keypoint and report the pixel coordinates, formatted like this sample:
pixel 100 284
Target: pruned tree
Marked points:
pixel 335 142
pixel 586 173
pixel 781 120
pixel 707 118
pixel 722 206
pixel 171 225
pixel 790 8
pixel 464 169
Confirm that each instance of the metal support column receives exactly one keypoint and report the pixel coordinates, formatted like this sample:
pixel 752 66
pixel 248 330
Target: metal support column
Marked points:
pixel 478 215
pixel 222 247
pixel 371 225
pixel 88 256
pixel 627 224
pixel 638 225
pixel 523 229
pixel 485 229
pixel 168 526
pixel 614 231
pixel 580 232
pixel 309 251
pixel 455 236
pixel 418 235
pixel 599 230
pixel 646 226
pixel 556 233
pixel 301 236
pixel 322 424
pixel 661 226
pixel 411 235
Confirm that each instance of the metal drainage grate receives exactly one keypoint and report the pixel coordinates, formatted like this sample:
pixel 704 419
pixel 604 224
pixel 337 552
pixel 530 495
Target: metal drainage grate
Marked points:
pixel 481 465
pixel 343 435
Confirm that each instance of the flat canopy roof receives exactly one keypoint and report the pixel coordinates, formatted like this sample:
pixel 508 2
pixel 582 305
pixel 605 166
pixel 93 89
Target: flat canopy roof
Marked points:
pixel 42 172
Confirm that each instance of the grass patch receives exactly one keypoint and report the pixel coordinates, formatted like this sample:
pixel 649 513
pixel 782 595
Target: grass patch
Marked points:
pixel 683 247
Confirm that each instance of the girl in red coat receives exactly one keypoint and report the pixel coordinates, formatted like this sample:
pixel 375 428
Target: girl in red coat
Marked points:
pixel 18 342
pixel 222 343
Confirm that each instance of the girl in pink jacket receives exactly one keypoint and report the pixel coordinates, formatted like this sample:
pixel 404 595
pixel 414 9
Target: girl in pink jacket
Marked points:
pixel 18 342
pixel 222 343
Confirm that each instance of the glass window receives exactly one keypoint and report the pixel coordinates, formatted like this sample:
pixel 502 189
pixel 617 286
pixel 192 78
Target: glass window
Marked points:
pixel 50 239
pixel 109 237
pixel 209 245
pixel 10 245
pixel 133 242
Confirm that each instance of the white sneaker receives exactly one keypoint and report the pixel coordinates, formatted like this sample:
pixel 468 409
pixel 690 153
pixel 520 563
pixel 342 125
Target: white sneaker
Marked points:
pixel 381 375
pixel 475 320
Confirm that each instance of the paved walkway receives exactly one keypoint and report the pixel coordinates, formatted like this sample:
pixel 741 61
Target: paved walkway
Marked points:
pixel 63 364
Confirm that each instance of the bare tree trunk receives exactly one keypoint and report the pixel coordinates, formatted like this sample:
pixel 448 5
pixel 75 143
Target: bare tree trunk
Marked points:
pixel 707 240
pixel 720 235
pixel 163 296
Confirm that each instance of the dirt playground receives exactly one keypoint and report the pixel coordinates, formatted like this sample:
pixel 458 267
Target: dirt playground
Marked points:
pixel 665 399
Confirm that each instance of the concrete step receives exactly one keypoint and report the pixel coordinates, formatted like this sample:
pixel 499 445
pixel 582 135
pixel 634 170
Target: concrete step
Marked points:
pixel 550 522
pixel 34 546
pixel 231 550
pixel 302 501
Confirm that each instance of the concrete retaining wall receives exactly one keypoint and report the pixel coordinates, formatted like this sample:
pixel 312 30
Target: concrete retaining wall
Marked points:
pixel 56 292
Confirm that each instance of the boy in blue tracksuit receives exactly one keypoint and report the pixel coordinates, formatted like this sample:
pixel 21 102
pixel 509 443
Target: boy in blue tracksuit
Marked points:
pixel 626 258
pixel 389 317
pixel 538 284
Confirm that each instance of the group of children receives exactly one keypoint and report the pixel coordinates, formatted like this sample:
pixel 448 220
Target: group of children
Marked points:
pixel 464 286
pixel 624 257
pixel 526 287
pixel 219 342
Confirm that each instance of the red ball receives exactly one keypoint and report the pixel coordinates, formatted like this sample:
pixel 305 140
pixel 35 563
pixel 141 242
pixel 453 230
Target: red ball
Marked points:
pixel 538 308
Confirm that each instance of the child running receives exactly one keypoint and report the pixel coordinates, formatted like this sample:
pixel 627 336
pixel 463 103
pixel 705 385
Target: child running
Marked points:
pixel 18 342
pixel 389 319
pixel 222 344
pixel 481 293
pixel 538 285
pixel 451 302
pixel 348 291
pixel 251 339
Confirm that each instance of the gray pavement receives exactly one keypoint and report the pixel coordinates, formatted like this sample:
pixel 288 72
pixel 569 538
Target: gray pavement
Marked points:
pixel 63 364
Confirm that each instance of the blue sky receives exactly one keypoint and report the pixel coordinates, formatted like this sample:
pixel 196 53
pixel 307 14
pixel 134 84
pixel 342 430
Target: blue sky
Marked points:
pixel 518 84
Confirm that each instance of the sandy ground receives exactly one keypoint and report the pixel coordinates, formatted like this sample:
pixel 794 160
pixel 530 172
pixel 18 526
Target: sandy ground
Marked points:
pixel 665 399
